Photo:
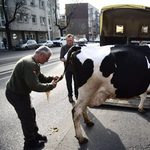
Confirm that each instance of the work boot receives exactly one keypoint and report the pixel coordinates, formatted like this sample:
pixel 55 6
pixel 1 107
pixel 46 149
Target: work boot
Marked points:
pixel 70 99
pixel 33 145
pixel 41 137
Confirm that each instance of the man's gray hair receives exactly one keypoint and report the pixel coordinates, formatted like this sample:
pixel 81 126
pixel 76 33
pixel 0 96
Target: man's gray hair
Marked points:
pixel 43 49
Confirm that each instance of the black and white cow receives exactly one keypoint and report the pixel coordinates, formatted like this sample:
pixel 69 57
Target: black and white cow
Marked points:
pixel 118 72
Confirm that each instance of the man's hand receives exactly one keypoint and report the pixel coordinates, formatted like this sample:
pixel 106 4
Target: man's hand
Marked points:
pixel 54 84
pixel 55 78
pixel 63 60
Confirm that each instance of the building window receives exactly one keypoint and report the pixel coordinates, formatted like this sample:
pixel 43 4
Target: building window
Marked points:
pixel 42 20
pixel 41 37
pixel 1 2
pixel 26 18
pixel 26 36
pixel 32 2
pixel 41 4
pixel 2 19
pixel 145 29
pixel 119 28
pixel 19 17
pixel 49 10
pixel 32 36
pixel 33 19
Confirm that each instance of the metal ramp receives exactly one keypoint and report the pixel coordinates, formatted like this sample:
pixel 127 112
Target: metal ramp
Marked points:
pixel 133 103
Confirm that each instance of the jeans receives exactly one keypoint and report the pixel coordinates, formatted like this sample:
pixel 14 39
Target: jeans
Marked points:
pixel 26 114
pixel 69 76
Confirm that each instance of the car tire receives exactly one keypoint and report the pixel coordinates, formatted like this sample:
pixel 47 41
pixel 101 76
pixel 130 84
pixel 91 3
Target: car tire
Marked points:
pixel 26 48
pixel 37 46
pixel 61 44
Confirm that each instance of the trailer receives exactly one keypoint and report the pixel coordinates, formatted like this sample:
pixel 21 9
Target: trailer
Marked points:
pixel 124 24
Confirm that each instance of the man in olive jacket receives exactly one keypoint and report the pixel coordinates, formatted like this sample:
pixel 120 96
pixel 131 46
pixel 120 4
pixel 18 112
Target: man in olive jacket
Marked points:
pixel 27 77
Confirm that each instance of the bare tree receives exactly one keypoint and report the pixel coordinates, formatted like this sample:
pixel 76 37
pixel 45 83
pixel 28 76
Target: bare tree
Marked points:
pixel 58 22
pixel 10 16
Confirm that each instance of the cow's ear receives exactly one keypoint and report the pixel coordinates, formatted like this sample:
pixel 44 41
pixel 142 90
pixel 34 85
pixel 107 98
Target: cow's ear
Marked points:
pixel 108 65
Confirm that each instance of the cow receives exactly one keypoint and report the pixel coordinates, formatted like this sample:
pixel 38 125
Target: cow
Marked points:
pixel 118 72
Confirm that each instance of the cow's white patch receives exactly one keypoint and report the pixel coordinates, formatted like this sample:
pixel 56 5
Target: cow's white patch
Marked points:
pixel 148 64
pixel 96 54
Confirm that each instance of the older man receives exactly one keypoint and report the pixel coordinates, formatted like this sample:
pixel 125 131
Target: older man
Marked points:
pixel 69 73
pixel 27 77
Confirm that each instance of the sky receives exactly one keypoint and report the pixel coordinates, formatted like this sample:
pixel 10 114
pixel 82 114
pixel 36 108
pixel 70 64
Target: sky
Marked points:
pixel 102 3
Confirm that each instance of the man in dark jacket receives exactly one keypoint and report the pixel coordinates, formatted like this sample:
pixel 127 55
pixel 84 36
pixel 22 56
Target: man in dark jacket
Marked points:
pixel 5 42
pixel 69 72
pixel 27 77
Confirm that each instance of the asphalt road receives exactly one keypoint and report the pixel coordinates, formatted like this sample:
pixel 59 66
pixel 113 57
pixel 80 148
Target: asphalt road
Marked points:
pixel 116 128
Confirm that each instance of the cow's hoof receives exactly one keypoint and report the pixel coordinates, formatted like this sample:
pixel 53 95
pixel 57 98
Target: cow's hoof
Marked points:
pixel 89 123
pixel 141 110
pixel 84 140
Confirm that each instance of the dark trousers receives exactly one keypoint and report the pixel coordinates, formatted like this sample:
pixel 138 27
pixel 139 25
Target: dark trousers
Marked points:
pixel 5 45
pixel 26 114
pixel 69 75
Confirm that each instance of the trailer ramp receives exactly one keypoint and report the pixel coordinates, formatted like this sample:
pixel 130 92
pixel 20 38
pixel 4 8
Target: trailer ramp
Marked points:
pixel 133 103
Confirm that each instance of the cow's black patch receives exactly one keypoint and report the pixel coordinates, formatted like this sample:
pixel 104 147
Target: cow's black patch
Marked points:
pixel 82 71
pixel 128 64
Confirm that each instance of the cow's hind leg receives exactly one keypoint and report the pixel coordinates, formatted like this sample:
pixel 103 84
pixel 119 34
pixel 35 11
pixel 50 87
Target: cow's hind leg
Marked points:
pixel 86 118
pixel 76 114
pixel 143 97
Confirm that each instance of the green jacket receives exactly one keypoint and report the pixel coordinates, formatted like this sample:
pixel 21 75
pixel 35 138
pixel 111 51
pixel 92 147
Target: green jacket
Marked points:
pixel 27 77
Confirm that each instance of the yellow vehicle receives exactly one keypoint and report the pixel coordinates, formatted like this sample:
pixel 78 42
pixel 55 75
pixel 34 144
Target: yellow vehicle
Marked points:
pixel 124 24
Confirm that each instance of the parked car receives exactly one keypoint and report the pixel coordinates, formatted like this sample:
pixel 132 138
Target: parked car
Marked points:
pixel 26 45
pixel 76 42
pixel 59 41
pixel 97 40
pixel 48 43
pixel 92 40
pixel 83 41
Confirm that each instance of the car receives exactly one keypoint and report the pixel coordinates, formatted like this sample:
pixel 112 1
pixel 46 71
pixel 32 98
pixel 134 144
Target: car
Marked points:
pixel 92 40
pixel 82 41
pixel 76 42
pixel 97 40
pixel 48 43
pixel 59 41
pixel 26 45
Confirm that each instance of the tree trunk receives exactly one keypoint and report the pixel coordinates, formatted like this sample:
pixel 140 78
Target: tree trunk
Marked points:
pixel 8 37
pixel 61 32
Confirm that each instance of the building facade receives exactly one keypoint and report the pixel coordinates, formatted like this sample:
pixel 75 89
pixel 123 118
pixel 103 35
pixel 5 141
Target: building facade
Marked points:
pixel 37 23
pixel 85 21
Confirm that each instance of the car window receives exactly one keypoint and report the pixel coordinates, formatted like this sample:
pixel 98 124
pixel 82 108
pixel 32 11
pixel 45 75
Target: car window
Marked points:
pixel 28 42
pixel 22 42
pixel 57 39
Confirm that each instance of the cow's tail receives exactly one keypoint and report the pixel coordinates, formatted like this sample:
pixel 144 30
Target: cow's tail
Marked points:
pixel 71 50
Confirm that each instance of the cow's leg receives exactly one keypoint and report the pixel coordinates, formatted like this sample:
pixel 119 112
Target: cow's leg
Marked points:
pixel 143 97
pixel 76 114
pixel 86 118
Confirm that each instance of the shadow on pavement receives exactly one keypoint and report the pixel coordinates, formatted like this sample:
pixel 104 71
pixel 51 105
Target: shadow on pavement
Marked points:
pixel 100 137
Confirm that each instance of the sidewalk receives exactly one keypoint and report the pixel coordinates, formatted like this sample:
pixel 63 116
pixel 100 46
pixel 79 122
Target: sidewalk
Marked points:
pixel 5 50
